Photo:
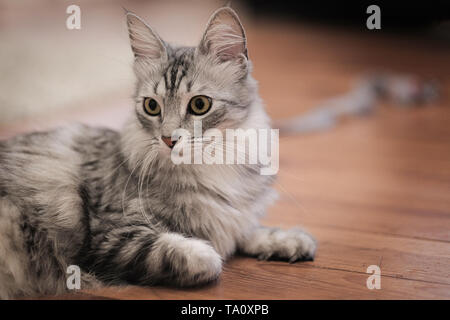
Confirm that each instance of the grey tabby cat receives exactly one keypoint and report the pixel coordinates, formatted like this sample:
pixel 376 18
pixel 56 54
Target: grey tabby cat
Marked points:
pixel 114 204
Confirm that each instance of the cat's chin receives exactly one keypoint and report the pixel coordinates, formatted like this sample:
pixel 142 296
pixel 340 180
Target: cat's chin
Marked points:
pixel 163 151
pixel 165 157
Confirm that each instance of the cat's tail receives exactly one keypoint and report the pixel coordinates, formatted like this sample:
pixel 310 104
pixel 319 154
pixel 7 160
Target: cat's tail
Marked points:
pixel 362 99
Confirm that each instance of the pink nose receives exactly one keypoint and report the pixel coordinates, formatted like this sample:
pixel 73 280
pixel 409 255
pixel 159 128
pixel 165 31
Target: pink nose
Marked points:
pixel 169 142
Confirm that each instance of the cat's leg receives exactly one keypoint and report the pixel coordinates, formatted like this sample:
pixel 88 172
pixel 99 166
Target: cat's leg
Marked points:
pixel 191 261
pixel 274 243
pixel 141 255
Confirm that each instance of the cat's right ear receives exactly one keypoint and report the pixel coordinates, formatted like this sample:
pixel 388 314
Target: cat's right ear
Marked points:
pixel 145 43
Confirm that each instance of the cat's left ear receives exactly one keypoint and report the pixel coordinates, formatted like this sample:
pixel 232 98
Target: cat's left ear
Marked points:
pixel 145 43
pixel 224 37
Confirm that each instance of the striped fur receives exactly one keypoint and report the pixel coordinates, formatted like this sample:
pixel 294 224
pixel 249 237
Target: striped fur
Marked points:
pixel 114 204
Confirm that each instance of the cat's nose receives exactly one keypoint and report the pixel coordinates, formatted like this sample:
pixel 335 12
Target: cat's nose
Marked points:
pixel 168 141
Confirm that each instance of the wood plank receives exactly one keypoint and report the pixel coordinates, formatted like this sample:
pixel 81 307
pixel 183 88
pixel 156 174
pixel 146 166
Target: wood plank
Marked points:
pixel 245 278
pixel 322 212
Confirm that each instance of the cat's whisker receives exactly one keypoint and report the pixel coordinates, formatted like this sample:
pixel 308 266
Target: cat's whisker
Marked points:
pixel 126 159
pixel 126 185
pixel 144 172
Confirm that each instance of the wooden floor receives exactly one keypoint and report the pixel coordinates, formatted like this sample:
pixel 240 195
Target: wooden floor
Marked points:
pixel 373 191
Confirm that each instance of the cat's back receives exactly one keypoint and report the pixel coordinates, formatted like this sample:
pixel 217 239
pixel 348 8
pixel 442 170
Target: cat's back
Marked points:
pixel 42 161
pixel 41 207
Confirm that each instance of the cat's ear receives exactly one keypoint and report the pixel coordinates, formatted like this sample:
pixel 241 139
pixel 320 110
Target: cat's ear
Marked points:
pixel 145 43
pixel 224 36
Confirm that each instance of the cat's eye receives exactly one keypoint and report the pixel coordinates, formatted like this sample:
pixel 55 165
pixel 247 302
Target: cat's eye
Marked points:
pixel 151 107
pixel 199 105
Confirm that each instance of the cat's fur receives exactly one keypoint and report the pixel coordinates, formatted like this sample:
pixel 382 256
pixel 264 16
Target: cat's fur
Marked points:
pixel 114 204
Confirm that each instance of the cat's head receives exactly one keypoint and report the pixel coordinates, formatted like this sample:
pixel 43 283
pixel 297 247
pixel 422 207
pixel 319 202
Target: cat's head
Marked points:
pixel 179 85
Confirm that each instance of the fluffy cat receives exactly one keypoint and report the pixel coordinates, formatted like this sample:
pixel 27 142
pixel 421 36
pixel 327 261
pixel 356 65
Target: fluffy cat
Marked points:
pixel 114 204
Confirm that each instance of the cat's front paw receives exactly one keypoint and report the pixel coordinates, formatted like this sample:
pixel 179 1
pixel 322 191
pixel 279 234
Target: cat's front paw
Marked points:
pixel 189 261
pixel 291 245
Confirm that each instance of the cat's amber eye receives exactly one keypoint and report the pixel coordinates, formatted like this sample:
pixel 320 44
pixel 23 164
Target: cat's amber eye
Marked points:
pixel 151 107
pixel 199 105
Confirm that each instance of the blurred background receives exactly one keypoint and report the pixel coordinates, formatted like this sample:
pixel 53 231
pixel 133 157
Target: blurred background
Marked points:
pixel 372 190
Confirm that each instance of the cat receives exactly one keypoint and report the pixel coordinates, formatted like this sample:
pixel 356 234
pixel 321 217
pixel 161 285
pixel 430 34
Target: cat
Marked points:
pixel 114 204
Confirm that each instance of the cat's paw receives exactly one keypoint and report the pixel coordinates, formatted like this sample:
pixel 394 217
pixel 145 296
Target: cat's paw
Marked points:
pixel 189 261
pixel 291 245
